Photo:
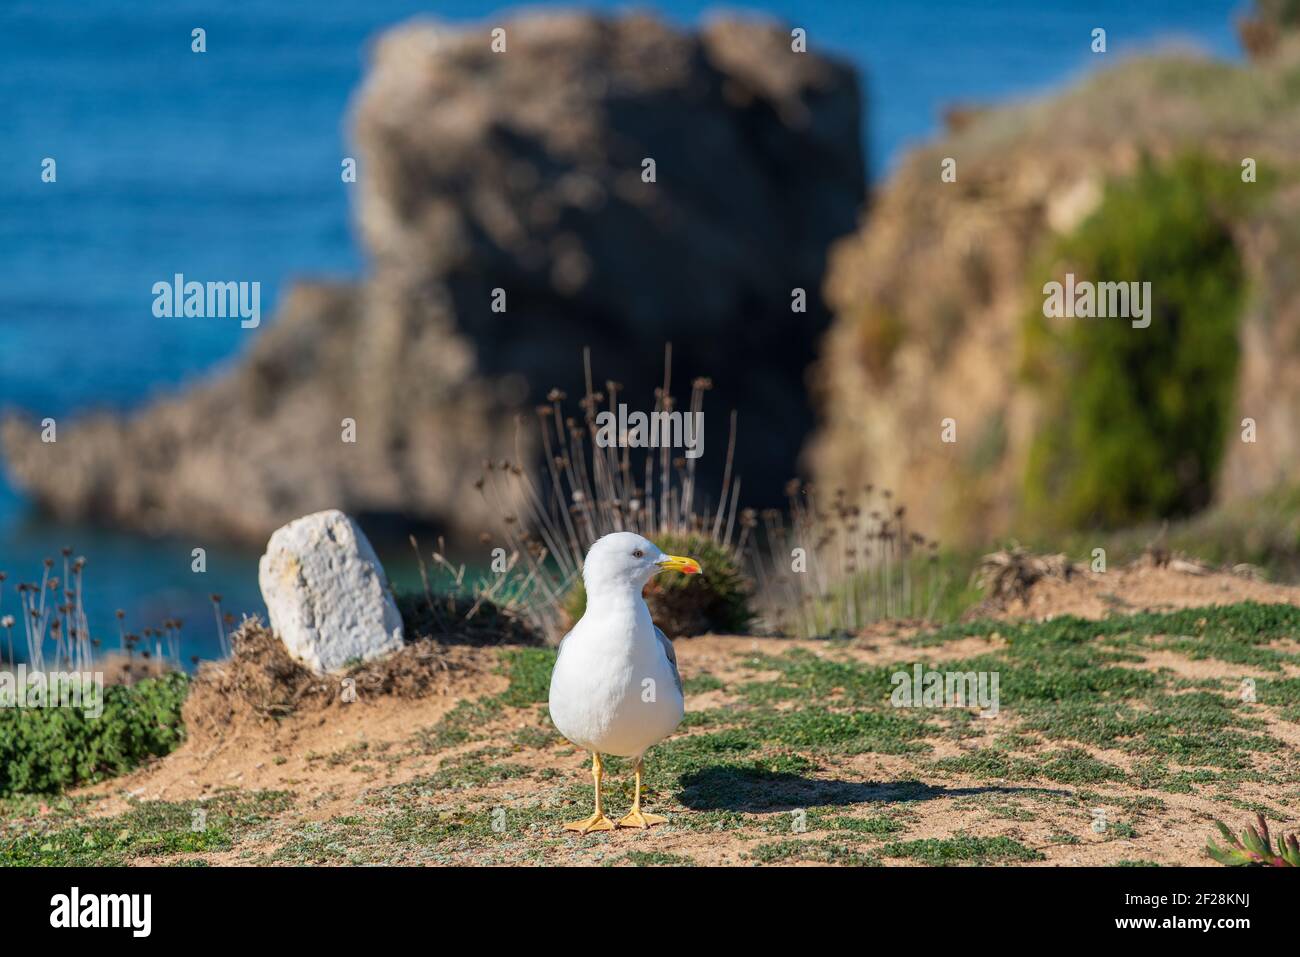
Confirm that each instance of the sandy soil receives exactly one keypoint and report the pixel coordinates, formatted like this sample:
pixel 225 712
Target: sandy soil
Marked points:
pixel 1143 588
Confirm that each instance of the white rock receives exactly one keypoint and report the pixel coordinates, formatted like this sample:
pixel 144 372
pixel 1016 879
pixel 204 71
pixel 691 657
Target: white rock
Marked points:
pixel 327 593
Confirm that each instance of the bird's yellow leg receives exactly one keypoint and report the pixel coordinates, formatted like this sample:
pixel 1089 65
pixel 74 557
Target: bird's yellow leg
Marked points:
pixel 636 817
pixel 597 821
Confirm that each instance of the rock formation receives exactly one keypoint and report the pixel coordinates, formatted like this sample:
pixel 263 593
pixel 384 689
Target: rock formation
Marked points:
pixel 522 172
pixel 930 296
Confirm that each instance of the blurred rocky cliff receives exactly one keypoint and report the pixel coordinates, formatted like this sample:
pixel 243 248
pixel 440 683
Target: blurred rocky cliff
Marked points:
pixel 1170 168
pixel 519 171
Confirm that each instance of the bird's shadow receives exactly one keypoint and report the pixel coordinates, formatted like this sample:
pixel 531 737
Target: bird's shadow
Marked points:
pixel 726 788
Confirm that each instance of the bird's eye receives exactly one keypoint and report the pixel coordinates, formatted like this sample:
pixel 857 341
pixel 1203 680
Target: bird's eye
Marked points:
pixel 637 553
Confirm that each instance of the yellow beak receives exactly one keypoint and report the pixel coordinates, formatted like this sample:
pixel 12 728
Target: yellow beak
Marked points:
pixel 687 566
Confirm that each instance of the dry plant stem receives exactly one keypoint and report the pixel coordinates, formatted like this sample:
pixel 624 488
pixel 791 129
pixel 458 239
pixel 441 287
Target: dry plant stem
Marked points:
pixel 857 556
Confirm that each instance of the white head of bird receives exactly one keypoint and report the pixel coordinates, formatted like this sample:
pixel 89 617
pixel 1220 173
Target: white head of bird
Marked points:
pixel 623 562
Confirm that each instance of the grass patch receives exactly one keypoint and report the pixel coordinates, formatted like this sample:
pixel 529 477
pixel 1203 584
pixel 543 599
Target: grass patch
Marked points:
pixel 878 826
pixel 963 849
pixel 529 674
pixel 702 682
pixel 148 829
pixel 1067 681
pixel 1068 766
pixel 845 732
pixel 802 675
pixel 651 859
pixel 529 671
pixel 471 770
pixel 824 851
pixel 461 724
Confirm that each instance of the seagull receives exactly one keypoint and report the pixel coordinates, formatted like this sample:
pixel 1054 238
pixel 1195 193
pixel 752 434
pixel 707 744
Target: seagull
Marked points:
pixel 615 688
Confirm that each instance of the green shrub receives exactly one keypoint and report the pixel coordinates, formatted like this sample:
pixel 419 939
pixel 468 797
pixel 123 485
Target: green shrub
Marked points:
pixel 716 600
pixel 1135 419
pixel 44 750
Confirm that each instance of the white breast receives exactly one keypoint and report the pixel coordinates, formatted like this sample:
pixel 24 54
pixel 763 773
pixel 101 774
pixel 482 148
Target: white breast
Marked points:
pixel 613 689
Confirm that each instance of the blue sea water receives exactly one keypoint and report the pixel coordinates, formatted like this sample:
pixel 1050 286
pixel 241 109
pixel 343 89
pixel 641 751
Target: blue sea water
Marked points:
pixel 225 165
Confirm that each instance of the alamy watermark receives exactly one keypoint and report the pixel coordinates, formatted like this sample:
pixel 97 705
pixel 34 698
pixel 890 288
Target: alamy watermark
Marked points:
pixel 651 430
pixel 1098 300
pixel 946 689
pixel 84 690
pixel 130 911
pixel 210 300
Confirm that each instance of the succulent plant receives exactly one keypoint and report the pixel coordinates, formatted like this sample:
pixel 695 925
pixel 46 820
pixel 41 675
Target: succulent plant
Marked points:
pixel 1254 847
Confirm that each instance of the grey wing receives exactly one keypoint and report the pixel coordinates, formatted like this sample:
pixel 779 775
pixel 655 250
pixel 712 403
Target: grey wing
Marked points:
pixel 671 654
